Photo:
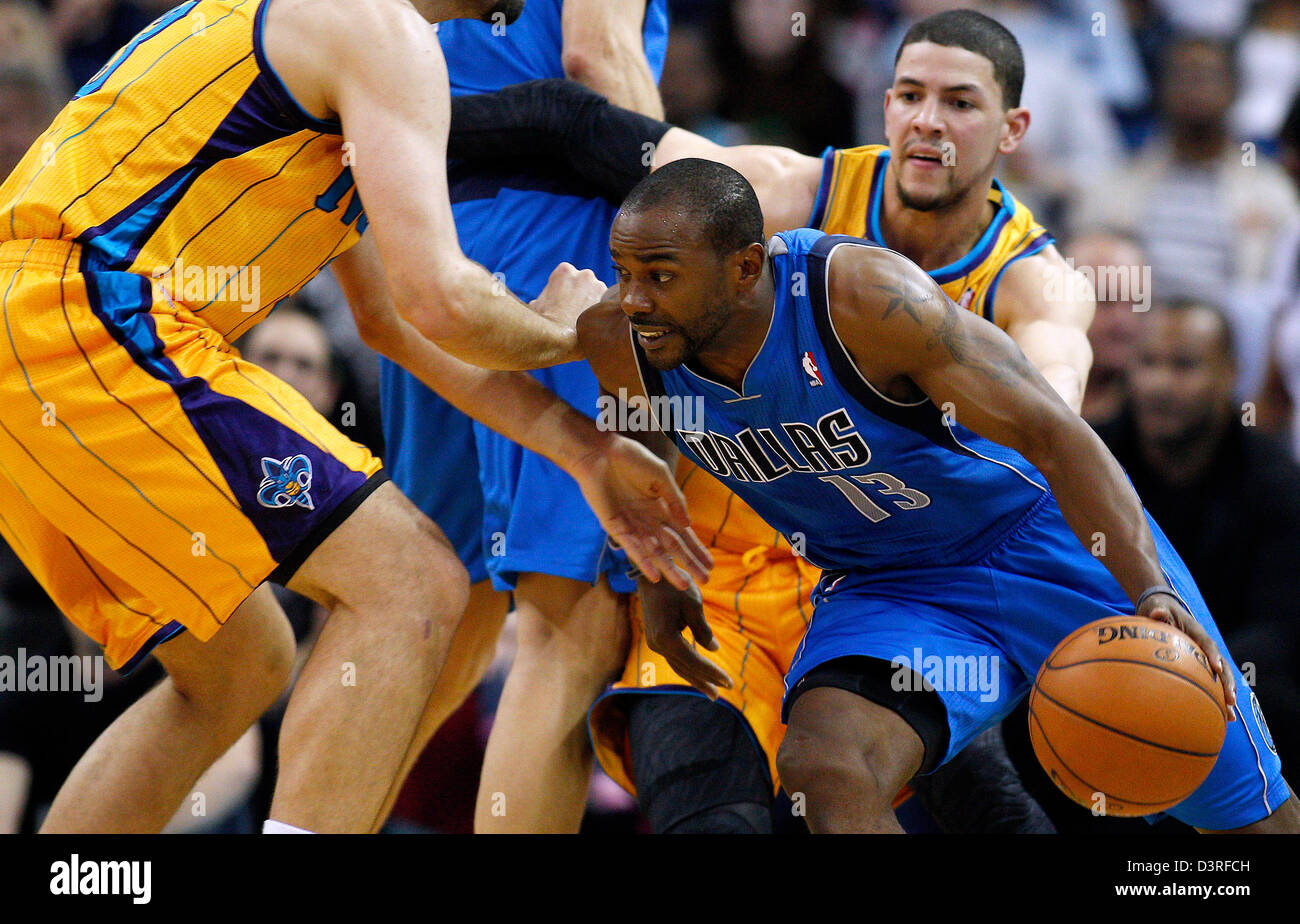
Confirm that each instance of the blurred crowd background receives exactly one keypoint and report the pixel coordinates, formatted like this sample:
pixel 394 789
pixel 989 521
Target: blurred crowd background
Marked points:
pixel 1164 142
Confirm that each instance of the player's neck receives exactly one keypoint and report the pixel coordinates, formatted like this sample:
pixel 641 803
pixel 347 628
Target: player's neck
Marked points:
pixel 731 352
pixel 939 237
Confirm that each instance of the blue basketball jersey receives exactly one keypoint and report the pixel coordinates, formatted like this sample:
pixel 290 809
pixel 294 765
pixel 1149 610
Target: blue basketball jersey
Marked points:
pixel 520 221
pixel 855 480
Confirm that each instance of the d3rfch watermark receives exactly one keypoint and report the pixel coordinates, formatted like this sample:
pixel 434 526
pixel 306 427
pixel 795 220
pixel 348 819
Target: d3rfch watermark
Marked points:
pixel 947 674
pixel 24 673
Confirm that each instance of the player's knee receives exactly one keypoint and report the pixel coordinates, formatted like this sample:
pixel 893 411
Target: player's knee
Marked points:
pixel 423 579
pixel 815 764
pixel 584 634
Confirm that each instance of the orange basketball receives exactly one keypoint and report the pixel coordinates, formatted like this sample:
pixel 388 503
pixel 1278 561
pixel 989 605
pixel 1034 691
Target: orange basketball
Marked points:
pixel 1126 716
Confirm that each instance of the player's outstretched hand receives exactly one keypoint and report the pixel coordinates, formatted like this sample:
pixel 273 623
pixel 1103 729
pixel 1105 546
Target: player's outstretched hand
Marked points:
pixel 568 293
pixel 666 612
pixel 633 494
pixel 1167 608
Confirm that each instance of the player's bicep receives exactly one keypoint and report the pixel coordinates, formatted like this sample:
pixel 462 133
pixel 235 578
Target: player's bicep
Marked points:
pixel 392 98
pixel 907 329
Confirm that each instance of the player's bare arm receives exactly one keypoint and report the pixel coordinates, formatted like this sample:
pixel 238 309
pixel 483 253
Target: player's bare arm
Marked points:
pixel 785 181
pixel 910 340
pixel 375 65
pixel 1046 307
pixel 604 334
pixel 604 49
pixel 630 490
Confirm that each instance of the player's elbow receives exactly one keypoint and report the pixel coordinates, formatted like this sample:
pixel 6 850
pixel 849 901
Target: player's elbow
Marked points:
pixel 1052 437
pixel 586 64
pixel 438 306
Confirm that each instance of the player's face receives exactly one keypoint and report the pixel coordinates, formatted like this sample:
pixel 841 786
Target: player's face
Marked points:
pixel 671 285
pixel 1182 381
pixel 946 125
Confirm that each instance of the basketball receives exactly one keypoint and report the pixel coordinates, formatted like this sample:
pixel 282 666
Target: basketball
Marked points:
pixel 1126 716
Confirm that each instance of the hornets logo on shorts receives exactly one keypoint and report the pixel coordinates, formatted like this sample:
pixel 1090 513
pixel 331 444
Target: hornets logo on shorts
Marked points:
pixel 286 482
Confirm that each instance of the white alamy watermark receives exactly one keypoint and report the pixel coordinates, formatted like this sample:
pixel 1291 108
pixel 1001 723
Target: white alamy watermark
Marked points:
pixel 76 876
pixel 23 673
pixel 947 673
pixel 197 285
pixel 624 413
pixel 1116 282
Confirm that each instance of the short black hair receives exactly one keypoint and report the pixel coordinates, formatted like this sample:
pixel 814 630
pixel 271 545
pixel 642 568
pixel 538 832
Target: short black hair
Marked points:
pixel 981 34
pixel 717 199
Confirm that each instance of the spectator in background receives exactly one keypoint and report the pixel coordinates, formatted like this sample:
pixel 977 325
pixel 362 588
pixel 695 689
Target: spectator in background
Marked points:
pixel 1116 263
pixel 27 41
pixel 29 100
pixel 90 31
pixel 1226 495
pixel 1207 210
pixel 775 80
pixel 691 87
pixel 1269 61
pixel 294 345
pixel 1279 401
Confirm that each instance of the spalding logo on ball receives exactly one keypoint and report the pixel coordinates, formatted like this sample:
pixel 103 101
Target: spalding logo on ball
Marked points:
pixel 1127 717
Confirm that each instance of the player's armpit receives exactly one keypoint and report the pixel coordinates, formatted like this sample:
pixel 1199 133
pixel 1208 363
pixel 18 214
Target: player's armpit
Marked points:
pixel 1046 307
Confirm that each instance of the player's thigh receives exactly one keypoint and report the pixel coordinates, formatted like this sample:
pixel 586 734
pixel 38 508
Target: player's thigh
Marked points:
pixel 696 764
pixel 148 442
pixel 249 661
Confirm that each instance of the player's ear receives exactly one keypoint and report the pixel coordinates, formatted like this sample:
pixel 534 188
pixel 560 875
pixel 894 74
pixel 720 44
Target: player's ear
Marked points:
pixel 1015 122
pixel 750 261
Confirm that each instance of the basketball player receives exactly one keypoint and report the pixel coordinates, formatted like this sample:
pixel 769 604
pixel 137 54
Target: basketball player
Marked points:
pixel 152 480
pixel 519 219
pixel 944 487
pixel 931 194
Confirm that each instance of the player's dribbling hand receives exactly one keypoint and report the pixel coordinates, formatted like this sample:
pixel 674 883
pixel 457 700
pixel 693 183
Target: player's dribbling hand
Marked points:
pixel 1168 609
pixel 568 293
pixel 633 494
pixel 666 612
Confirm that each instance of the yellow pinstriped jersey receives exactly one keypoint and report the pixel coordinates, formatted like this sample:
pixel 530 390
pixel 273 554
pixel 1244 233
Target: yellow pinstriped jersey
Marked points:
pixel 850 201
pixel 186 161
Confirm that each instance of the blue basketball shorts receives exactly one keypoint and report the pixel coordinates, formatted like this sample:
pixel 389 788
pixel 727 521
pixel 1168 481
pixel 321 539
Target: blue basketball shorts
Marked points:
pixel 998 618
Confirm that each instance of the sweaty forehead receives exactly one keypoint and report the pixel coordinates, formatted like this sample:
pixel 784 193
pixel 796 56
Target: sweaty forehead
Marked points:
pixel 945 66
pixel 654 230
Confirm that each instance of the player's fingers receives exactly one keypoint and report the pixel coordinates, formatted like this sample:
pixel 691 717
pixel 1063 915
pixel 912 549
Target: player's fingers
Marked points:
pixel 1196 632
pixel 689 552
pixel 702 673
pixel 637 553
pixel 693 616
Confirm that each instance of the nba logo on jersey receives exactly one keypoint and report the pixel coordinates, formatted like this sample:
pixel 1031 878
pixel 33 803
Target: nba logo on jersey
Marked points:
pixel 810 367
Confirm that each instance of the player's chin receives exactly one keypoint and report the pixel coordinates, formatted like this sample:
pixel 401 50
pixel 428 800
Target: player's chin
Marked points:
pixel 509 10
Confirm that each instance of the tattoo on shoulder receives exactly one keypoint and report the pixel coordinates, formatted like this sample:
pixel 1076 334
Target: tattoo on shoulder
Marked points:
pixel 905 297
pixel 973 351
